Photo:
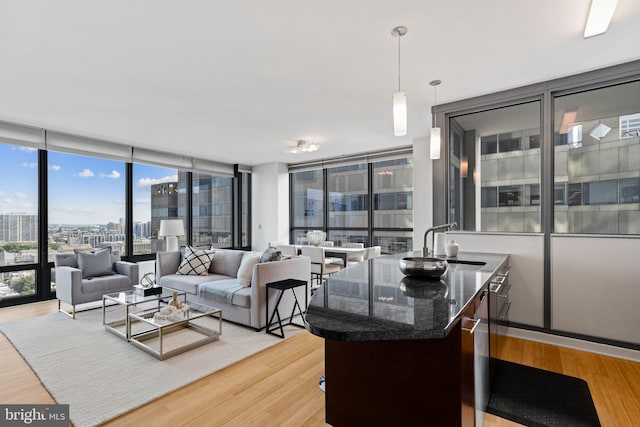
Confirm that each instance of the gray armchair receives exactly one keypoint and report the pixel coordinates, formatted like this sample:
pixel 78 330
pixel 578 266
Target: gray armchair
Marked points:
pixel 79 281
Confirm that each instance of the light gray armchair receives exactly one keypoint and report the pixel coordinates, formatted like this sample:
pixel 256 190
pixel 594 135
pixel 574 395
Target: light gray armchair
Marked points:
pixel 86 276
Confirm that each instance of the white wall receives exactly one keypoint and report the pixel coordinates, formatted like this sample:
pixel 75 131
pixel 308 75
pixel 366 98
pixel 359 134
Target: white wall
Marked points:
pixel 595 286
pixel 527 269
pixel 270 205
pixel 422 191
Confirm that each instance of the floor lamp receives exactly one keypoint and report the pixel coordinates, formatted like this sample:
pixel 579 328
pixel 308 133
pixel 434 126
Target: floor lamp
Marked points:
pixel 171 229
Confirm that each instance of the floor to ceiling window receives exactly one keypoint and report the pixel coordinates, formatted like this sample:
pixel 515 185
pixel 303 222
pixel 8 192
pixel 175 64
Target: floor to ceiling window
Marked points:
pixel 78 193
pixel 307 192
pixel 366 202
pixel 158 193
pixel 18 220
pixel 393 204
pixel 212 210
pixel 245 209
pixel 348 193
pixel 86 203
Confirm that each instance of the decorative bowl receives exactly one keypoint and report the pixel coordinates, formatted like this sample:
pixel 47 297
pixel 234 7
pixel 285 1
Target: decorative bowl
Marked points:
pixel 423 268
pixel 316 237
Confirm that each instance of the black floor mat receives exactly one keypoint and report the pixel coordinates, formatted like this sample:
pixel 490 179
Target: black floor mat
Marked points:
pixel 535 397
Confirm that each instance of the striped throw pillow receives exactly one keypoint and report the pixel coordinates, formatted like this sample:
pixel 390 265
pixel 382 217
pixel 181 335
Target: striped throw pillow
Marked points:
pixel 196 262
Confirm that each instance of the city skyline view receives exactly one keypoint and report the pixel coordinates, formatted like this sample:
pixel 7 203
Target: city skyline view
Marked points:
pixel 82 190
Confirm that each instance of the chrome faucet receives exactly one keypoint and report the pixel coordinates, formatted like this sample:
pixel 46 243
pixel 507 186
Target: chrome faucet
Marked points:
pixel 425 248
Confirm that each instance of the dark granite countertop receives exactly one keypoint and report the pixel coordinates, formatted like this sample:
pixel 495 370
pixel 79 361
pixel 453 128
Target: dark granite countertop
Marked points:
pixel 373 300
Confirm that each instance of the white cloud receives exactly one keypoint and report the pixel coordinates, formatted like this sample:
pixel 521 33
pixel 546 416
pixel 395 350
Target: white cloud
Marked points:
pixel 1 193
pixel 6 201
pixel 30 165
pixel 86 173
pixel 142 201
pixel 54 168
pixel 20 195
pixel 112 175
pixel 147 182
pixel 28 149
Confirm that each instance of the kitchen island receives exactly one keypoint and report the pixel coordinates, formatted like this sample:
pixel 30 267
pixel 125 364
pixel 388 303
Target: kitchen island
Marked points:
pixel 395 346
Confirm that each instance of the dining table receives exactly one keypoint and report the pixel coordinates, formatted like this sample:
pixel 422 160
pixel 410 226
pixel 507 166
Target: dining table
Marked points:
pixel 345 254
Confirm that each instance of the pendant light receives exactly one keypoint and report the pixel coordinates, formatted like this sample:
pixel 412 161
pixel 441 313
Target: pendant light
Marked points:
pixel 435 131
pixel 399 98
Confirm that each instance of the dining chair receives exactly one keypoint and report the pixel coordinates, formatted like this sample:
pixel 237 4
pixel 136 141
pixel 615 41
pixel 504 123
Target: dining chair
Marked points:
pixel 353 245
pixel 372 252
pixel 320 266
pixel 285 249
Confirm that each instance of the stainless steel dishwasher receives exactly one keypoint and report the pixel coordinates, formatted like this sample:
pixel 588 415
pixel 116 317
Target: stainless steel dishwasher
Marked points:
pixel 499 306
pixel 475 360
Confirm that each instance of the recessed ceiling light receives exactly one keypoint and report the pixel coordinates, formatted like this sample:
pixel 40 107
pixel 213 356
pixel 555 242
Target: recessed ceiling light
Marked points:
pixel 600 131
pixel 600 15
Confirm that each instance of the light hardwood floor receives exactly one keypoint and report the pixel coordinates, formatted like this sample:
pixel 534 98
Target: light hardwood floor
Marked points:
pixel 278 387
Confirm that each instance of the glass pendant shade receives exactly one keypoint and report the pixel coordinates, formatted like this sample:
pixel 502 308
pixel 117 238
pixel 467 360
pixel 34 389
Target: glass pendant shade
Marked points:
pixel 399 114
pixel 435 143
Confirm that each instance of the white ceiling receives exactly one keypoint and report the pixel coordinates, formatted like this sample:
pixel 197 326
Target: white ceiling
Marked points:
pixel 238 81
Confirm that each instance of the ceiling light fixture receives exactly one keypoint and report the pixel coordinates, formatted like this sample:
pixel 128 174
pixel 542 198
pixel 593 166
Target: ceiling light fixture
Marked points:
pixel 600 131
pixel 600 14
pixel 435 131
pixel 399 98
pixel 302 146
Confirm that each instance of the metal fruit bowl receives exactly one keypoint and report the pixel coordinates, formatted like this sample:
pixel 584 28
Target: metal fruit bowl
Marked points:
pixel 423 268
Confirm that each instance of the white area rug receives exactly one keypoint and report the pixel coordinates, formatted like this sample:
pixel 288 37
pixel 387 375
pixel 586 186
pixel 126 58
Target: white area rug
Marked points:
pixel 102 376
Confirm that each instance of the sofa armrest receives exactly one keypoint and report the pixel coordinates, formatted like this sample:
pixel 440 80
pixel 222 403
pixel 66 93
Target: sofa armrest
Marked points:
pixel 266 272
pixel 129 269
pixel 68 283
pixel 166 263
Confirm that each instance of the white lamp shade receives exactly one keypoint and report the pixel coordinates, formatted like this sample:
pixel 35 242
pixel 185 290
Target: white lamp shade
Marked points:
pixel 435 143
pixel 171 227
pixel 399 114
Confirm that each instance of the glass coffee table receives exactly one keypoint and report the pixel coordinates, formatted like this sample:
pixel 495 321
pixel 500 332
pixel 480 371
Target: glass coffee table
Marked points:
pixel 167 337
pixel 115 322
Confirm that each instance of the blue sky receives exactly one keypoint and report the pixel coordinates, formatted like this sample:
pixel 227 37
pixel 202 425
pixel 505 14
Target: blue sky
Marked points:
pixel 82 190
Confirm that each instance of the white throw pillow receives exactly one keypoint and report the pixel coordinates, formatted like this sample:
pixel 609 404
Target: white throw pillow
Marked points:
pixel 196 262
pixel 245 271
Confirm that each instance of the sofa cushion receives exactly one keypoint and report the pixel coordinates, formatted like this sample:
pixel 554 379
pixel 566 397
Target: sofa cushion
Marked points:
pixel 245 271
pixel 195 262
pixel 270 254
pixel 225 292
pixel 95 263
pixel 188 284
pixel 105 284
pixel 242 298
pixel 226 262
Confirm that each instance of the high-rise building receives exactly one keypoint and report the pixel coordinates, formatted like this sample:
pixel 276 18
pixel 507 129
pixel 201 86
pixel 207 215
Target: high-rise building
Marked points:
pixel 18 227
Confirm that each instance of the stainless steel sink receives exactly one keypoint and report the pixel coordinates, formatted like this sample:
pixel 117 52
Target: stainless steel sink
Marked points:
pixel 465 262
pixel 459 264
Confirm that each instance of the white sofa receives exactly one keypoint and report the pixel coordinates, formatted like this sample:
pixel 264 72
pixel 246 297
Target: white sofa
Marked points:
pixel 243 305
